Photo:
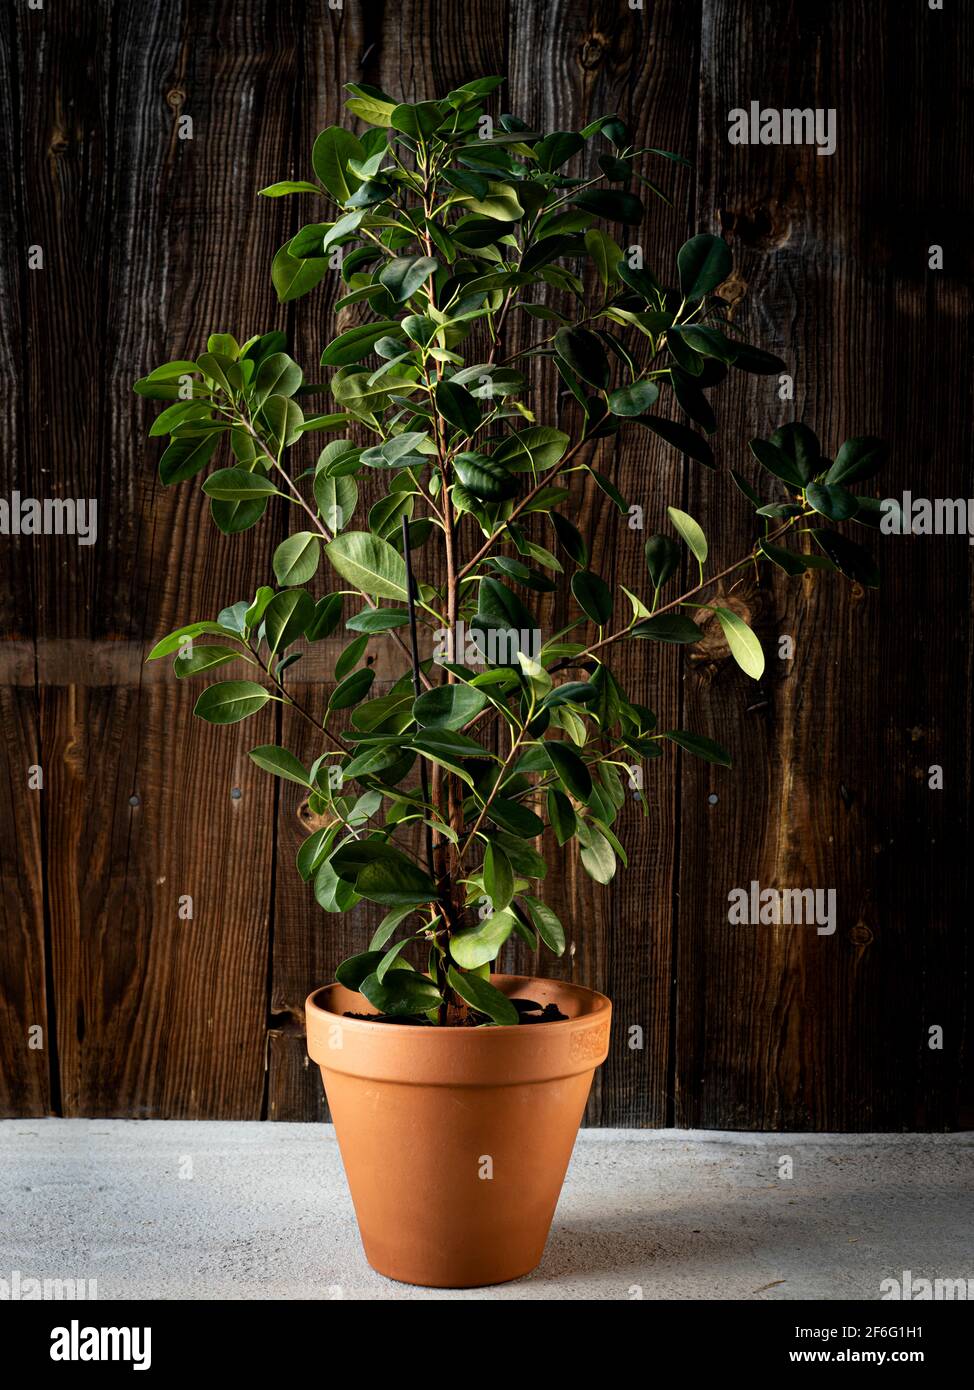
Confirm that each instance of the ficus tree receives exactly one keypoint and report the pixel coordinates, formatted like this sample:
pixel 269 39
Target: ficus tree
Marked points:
pixel 433 796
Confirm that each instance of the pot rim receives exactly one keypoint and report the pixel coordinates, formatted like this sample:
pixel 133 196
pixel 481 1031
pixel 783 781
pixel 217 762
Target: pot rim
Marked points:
pixel 598 1004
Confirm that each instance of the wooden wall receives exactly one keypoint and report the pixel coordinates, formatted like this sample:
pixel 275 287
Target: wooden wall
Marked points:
pixel 150 240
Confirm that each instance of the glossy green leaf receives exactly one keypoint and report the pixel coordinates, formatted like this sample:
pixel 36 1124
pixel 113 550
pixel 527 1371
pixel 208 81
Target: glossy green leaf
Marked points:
pixel 228 702
pixel 286 617
pixel 570 769
pixel 744 646
pixel 483 996
pixel 699 746
pixel 480 944
pixel 448 706
pixel 593 596
pixel 548 925
pixel 280 762
pixel 368 562
pixel 296 559
pixel 849 558
pixel 704 262
pixel 691 531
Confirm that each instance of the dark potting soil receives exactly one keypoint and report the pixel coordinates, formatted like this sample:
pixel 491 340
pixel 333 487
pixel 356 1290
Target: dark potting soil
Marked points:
pixel 528 1012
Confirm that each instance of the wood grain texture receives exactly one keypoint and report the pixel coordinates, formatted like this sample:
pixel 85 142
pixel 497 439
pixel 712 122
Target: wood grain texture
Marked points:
pixel 151 240
pixel 28 1061
pixel 779 1027
pixel 571 63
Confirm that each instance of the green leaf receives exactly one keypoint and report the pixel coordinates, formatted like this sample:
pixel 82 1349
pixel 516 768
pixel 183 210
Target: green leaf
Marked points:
pixel 686 440
pixel 280 762
pixel 280 190
pixel 546 922
pixel 354 969
pixel 204 659
pixel 593 596
pixel 332 150
pixel 709 342
pixel 662 559
pixel 356 343
pixel 484 477
pixel 757 361
pixel 378 619
pixel 351 657
pixel 368 562
pixel 228 702
pixel 744 487
pixel 584 354
pixel 832 501
pixel 518 819
pixel 283 419
pixel 457 406
pixel 186 457
pixel 700 746
pixel 744 646
pixel 610 203
pixel 857 460
pixel 691 531
pixel 668 627
pixel 324 620
pixel 635 399
pixel 777 462
pixel 480 944
pixel 351 691
pixel 483 996
pixel 420 120
pixel 403 275
pixel 704 262
pixel 787 560
pixel 296 559
pixel 849 558
pixel 557 149
pixel 286 617
pixel 174 640
pixel 238 484
pixel 448 706
pixel 799 444
pixel 292 278
pixel 498 877
pixel 561 814
pixel 605 253
pixel 570 769
pixel 569 538
pixel 536 449
pixel 402 991
pixel 336 497
pixel 598 856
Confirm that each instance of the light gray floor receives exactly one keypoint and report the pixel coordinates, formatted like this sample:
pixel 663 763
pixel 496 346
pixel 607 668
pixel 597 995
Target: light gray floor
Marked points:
pixel 158 1209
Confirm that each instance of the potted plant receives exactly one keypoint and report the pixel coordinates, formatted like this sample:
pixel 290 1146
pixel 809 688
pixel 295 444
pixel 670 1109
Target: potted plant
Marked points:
pixel 457 1094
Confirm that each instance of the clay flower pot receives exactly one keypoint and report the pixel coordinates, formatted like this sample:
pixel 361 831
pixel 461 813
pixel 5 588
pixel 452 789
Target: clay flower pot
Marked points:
pixel 456 1140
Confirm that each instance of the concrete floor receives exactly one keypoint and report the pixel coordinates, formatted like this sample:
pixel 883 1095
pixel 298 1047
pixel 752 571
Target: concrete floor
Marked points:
pixel 262 1211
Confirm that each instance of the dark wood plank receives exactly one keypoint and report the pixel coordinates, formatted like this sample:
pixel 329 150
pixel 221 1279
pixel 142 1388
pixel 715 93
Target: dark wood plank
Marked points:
pixel 150 244
pixel 571 63
pixel 780 1027
pixel 26 1071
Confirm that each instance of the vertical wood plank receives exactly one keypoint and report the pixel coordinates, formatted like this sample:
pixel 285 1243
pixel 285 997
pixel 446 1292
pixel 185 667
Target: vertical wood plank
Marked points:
pixel 779 1027
pixel 26 1070
pixel 149 243
pixel 571 63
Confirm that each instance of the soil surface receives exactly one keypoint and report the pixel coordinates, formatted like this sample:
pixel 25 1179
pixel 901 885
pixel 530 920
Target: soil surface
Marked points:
pixel 528 1012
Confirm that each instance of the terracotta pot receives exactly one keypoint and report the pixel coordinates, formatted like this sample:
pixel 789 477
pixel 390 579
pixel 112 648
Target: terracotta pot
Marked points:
pixel 456 1140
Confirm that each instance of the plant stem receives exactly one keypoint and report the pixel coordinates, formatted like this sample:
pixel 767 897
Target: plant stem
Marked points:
pixel 417 686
